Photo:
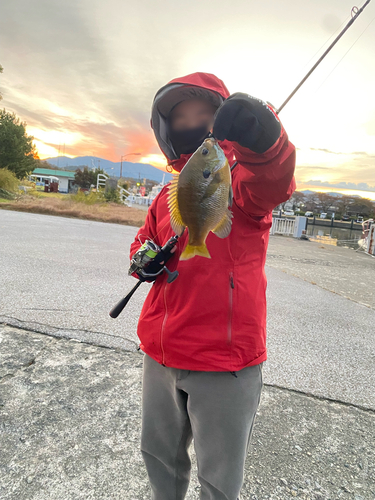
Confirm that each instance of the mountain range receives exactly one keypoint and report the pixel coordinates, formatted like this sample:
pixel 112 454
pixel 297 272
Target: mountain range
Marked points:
pixel 331 193
pixel 129 169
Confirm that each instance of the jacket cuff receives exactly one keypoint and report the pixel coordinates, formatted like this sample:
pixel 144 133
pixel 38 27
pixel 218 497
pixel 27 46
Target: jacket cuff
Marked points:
pixel 245 155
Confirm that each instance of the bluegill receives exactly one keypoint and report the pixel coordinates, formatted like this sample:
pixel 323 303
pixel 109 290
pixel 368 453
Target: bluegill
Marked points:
pixel 200 197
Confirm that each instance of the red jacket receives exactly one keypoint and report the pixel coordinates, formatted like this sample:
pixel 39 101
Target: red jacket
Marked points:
pixel 213 316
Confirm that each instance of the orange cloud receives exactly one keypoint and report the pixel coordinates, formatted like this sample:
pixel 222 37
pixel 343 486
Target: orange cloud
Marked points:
pixel 107 141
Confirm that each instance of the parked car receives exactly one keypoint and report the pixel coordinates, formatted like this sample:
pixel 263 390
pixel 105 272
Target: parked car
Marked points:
pixel 345 218
pixel 323 215
pixel 288 212
pixel 309 214
pixel 359 219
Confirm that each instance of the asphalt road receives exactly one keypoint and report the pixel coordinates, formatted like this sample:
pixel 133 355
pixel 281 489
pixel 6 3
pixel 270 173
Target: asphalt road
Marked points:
pixel 62 276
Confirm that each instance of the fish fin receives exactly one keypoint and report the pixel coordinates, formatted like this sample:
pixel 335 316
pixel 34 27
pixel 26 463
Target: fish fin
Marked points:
pixel 230 198
pixel 222 230
pixel 176 220
pixel 191 251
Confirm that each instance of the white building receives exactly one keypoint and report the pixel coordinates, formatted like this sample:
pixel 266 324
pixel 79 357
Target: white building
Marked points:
pixel 66 179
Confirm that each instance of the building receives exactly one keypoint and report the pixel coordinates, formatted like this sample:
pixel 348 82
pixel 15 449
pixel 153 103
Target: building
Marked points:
pixel 66 178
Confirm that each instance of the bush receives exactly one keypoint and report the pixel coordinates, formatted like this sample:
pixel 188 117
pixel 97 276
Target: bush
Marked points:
pixel 88 198
pixel 8 180
pixel 6 195
pixel 112 195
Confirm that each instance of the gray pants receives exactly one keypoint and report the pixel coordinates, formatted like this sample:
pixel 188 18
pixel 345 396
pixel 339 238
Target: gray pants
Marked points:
pixel 215 408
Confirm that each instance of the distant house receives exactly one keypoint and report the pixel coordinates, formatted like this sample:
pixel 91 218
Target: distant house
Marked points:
pixel 66 179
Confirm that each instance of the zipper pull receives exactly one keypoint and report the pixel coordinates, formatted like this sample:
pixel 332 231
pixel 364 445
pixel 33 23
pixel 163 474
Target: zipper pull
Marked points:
pixel 231 281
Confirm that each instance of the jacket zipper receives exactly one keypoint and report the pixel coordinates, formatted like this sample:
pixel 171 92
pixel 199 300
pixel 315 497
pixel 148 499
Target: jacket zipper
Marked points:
pixel 231 287
pixel 163 324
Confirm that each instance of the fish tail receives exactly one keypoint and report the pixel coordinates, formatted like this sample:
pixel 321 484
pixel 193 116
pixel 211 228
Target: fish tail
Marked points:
pixel 192 250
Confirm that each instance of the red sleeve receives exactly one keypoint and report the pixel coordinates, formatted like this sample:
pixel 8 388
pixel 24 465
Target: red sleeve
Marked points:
pixel 263 181
pixel 147 231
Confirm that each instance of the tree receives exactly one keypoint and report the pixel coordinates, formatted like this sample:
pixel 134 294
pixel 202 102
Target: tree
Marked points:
pixel 1 70
pixel 17 151
pixel 298 199
pixel 312 201
pixel 325 201
pixel 344 202
pixel 283 204
pixel 84 178
pixel 362 206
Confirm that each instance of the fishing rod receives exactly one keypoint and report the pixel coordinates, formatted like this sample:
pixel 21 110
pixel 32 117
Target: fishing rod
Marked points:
pixel 356 13
pixel 147 254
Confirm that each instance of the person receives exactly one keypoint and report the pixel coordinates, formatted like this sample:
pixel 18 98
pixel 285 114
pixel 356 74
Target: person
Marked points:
pixel 204 335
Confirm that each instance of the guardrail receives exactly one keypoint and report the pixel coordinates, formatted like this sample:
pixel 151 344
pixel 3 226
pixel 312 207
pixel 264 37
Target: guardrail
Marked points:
pixel 288 227
pixel 283 226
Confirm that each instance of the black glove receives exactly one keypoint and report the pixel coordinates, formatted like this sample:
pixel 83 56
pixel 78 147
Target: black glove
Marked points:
pixel 154 265
pixel 248 121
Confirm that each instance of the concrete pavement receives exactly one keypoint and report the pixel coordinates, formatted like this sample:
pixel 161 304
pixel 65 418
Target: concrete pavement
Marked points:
pixel 70 429
pixel 70 394
pixel 62 276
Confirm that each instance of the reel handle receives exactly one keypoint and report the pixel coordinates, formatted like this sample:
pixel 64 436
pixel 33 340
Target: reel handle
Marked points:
pixel 172 275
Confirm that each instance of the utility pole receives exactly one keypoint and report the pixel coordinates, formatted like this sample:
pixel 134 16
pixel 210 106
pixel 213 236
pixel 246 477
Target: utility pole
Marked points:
pixel 123 156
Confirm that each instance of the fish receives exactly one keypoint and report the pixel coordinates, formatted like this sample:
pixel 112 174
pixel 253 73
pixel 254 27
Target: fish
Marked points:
pixel 200 198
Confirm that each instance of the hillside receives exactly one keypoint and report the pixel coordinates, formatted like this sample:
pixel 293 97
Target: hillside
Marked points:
pixel 129 169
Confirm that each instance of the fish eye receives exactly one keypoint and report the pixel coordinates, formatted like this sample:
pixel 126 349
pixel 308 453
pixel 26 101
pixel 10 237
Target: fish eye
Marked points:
pixel 206 173
pixel 205 151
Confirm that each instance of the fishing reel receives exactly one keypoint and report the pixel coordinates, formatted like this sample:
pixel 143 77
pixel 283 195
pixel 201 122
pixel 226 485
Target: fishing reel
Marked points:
pixel 148 263
pixel 149 257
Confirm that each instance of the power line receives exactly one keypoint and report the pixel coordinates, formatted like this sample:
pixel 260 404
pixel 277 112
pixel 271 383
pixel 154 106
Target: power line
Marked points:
pixel 349 49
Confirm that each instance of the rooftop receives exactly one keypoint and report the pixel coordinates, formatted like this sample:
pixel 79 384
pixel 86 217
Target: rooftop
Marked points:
pixel 56 173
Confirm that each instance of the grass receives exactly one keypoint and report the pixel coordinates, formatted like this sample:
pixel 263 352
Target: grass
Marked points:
pixel 42 194
pixel 67 206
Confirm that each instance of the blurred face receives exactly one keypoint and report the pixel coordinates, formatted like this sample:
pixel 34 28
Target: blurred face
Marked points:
pixel 192 113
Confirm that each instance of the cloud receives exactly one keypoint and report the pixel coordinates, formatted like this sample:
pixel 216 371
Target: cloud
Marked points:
pixel 91 69
pixel 67 72
pixel 326 151
pixel 354 153
pixel 360 186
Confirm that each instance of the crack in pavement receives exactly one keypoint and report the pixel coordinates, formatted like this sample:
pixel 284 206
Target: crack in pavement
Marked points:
pixel 276 386
pixel 58 332
pixel 322 398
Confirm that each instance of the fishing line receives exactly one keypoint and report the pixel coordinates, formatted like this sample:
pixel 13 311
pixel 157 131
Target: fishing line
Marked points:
pixel 349 49
pixel 355 12
pixel 325 43
pixel 154 237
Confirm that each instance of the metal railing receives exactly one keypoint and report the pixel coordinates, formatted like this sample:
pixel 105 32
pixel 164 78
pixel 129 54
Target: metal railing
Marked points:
pixel 370 250
pixel 283 226
pixel 100 180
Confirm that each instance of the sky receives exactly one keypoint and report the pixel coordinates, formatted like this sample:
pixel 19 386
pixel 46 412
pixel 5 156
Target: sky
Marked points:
pixel 83 75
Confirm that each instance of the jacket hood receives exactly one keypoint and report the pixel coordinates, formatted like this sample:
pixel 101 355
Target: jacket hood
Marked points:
pixel 203 85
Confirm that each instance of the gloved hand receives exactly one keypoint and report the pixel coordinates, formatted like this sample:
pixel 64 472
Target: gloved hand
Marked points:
pixel 248 121
pixel 156 264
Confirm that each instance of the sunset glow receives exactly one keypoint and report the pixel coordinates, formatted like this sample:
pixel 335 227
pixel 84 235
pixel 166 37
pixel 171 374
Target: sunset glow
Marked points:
pixel 90 93
pixel 157 160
